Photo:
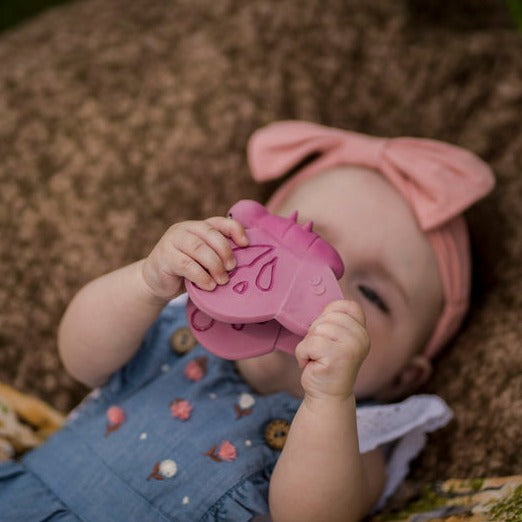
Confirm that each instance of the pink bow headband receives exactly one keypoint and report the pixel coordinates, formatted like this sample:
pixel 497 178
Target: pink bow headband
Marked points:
pixel 438 181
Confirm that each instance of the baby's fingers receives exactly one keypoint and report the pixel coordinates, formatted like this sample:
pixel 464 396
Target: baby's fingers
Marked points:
pixel 311 348
pixel 215 232
pixel 212 232
pixel 204 247
pixel 345 306
pixel 190 269
pixel 230 228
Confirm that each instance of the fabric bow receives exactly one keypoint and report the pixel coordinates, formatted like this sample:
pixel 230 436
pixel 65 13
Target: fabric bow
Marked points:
pixel 438 180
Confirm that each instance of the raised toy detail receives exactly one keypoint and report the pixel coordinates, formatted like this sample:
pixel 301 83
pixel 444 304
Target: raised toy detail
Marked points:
pixel 282 281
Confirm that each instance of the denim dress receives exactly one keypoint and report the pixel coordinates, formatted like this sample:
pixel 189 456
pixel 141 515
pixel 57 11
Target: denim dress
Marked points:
pixel 175 435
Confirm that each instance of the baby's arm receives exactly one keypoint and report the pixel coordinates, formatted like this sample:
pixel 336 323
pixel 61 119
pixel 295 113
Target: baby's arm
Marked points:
pixel 106 321
pixel 321 474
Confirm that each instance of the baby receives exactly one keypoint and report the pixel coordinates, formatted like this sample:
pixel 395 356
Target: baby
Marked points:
pixel 175 433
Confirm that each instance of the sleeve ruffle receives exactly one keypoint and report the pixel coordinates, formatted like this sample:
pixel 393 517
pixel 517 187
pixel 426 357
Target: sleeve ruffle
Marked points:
pixel 401 428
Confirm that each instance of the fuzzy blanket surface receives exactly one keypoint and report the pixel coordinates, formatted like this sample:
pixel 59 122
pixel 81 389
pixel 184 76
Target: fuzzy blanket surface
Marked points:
pixel 119 118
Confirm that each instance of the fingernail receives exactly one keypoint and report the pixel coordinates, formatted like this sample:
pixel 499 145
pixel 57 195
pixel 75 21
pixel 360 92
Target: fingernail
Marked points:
pixel 230 265
pixel 223 279
pixel 211 285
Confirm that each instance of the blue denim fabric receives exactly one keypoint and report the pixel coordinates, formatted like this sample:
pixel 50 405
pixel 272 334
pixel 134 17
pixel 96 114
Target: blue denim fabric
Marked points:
pixel 88 472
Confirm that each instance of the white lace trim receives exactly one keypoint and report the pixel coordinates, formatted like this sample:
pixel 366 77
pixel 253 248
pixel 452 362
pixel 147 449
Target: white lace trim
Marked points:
pixel 405 424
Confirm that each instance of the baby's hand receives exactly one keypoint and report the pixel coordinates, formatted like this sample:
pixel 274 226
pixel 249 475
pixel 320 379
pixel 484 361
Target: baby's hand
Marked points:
pixel 333 350
pixel 196 250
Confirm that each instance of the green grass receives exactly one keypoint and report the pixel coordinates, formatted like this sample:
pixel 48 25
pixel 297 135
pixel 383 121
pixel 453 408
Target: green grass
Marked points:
pixel 515 8
pixel 13 12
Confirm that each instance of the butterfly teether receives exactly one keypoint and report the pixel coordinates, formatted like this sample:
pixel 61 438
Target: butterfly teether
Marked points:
pixel 282 281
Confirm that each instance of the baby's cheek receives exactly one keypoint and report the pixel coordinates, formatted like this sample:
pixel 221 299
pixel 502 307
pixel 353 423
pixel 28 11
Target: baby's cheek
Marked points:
pixel 367 382
pixel 348 290
pixel 381 363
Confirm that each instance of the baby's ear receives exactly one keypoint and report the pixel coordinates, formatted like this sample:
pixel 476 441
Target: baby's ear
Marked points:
pixel 413 375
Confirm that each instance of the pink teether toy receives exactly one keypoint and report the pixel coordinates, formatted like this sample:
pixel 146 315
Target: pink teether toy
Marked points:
pixel 282 281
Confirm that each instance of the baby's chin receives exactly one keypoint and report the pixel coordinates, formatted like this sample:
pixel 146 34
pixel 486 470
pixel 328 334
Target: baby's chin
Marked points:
pixel 273 372
pixel 365 391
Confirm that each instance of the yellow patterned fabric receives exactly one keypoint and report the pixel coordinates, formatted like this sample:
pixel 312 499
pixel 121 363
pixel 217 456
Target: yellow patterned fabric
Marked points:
pixel 497 499
pixel 25 422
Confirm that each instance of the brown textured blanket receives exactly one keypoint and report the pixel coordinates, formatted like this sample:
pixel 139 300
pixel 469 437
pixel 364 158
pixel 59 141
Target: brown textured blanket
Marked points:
pixel 119 118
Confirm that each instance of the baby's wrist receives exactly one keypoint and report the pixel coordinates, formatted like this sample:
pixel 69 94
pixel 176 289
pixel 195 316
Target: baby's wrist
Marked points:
pixel 323 404
pixel 147 290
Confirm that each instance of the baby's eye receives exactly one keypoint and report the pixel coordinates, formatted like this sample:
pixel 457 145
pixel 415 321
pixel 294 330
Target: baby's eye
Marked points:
pixel 374 298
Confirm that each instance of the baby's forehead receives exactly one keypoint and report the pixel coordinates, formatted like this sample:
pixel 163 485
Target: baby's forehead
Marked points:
pixel 359 210
pixel 348 183
pixel 355 192
pixel 366 217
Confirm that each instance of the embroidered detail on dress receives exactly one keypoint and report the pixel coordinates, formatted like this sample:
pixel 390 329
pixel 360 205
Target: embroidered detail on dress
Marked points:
pixel 226 452
pixel 241 413
pixel 211 453
pixel 115 418
pixel 164 469
pixel 244 406
pixel 181 408
pixel 185 501
pixel 196 369
pixel 246 401
pixel 143 436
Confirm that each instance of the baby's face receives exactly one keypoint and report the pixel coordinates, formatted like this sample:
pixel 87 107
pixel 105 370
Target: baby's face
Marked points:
pixel 390 270
pixel 390 267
